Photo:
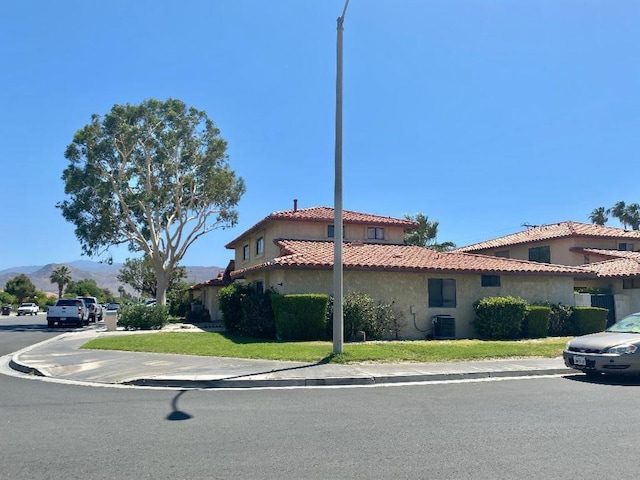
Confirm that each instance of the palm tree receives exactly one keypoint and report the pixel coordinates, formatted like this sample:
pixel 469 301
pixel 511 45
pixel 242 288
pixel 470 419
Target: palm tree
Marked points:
pixel 61 276
pixel 619 211
pixel 599 216
pixel 632 215
pixel 425 234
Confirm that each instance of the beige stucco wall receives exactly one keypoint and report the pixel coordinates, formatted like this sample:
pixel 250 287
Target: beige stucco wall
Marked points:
pixel 409 293
pixel 302 231
pixel 560 249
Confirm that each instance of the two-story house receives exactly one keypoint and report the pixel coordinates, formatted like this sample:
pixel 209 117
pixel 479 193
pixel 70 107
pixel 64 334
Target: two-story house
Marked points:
pixel 610 254
pixel 292 252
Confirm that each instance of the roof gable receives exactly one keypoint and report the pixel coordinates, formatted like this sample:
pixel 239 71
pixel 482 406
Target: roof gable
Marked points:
pixel 326 215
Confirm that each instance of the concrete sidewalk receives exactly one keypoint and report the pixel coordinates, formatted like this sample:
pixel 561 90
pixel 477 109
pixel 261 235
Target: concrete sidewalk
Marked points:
pixel 61 357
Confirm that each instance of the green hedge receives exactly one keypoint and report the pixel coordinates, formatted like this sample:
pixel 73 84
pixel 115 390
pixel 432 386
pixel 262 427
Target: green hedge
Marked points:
pixel 141 317
pixel 499 318
pixel 589 319
pixel 300 316
pixel 536 323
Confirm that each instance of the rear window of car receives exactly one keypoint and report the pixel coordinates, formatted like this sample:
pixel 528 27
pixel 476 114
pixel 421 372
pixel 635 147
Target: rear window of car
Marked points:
pixel 69 303
pixel 88 300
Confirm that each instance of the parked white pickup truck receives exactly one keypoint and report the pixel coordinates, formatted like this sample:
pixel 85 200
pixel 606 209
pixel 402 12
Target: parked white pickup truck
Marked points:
pixel 28 309
pixel 68 310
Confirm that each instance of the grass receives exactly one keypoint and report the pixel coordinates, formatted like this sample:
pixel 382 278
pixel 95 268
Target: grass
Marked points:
pixel 223 345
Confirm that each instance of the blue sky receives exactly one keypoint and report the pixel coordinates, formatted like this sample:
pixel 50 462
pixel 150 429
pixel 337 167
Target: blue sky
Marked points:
pixel 483 115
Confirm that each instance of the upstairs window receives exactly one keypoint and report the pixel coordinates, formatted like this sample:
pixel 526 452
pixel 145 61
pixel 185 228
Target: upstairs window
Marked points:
pixel 375 233
pixel 260 246
pixel 540 254
pixel 245 252
pixel 628 283
pixel 331 231
pixel 625 246
pixel 442 292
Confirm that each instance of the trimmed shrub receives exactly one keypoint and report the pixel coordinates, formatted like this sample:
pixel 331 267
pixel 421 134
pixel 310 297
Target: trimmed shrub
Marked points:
pixel 536 323
pixel 589 319
pixel 300 316
pixel 141 317
pixel 499 318
pixel 247 312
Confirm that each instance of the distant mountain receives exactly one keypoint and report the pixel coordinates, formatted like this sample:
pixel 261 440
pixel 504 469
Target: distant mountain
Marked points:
pixel 104 275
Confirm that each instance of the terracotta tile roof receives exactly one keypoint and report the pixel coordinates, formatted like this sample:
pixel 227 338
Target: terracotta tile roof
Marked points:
pixel 555 230
pixel 379 257
pixel 326 215
pixel 609 253
pixel 615 268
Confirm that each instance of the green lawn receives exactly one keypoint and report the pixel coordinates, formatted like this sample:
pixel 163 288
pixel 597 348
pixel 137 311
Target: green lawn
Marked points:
pixel 222 345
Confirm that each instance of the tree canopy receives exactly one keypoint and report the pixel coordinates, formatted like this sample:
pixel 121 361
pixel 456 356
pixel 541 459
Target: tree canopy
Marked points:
pixel 139 274
pixel 21 287
pixel 85 288
pixel 154 177
pixel 426 234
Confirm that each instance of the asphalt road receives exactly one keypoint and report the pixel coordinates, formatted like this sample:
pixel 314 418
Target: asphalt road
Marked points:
pixel 535 428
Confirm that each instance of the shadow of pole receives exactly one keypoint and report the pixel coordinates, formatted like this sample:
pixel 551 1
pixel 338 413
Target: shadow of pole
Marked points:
pixel 177 414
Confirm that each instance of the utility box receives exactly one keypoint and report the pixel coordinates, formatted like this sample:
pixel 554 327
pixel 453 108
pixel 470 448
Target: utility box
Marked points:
pixel 111 320
pixel 444 327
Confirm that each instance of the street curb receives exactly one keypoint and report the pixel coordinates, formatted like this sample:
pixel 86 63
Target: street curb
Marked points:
pixel 337 381
pixel 21 367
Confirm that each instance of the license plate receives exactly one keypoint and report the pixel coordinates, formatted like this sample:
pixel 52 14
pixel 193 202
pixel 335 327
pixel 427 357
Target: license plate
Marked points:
pixel 580 361
pixel 63 318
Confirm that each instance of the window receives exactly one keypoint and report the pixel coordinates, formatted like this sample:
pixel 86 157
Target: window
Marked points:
pixel 540 254
pixel 625 246
pixel 502 254
pixel 260 246
pixel 442 292
pixel 331 232
pixel 490 280
pixel 630 283
pixel 245 252
pixel 375 233
pixel 259 286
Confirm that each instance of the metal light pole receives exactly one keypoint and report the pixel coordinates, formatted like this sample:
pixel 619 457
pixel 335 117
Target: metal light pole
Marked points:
pixel 338 317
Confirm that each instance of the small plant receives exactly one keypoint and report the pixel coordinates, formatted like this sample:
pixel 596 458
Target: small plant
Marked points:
pixel 141 317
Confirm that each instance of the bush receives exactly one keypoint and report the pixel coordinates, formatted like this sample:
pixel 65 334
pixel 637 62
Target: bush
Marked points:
pixel 247 312
pixel 536 323
pixel 300 317
pixel 363 313
pixel 589 319
pixel 560 324
pixel 141 317
pixel 499 318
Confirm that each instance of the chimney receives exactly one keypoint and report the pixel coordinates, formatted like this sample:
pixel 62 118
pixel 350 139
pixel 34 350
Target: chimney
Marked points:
pixel 295 204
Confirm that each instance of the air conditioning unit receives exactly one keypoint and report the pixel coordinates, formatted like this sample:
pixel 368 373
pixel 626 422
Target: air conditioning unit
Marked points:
pixel 444 327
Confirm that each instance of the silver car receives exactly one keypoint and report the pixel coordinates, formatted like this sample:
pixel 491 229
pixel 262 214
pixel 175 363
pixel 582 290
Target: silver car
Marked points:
pixel 614 351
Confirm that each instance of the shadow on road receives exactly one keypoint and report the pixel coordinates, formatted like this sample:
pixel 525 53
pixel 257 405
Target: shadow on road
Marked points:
pixel 613 380
pixel 177 414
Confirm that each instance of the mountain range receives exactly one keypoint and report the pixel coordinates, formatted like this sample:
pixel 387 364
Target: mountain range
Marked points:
pixel 104 275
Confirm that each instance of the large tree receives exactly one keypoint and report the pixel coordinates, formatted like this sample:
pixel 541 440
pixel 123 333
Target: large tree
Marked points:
pixel 61 276
pixel 21 287
pixel 425 235
pixel 153 176
pixel 599 216
pixel 139 274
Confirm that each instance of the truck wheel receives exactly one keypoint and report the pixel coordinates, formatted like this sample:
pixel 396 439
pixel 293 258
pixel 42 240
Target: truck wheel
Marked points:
pixel 50 323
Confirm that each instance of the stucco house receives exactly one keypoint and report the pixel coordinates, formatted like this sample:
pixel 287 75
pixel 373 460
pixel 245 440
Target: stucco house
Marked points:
pixel 292 252
pixel 611 255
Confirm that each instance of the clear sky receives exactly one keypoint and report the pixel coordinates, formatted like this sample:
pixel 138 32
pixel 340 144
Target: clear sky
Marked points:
pixel 483 115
